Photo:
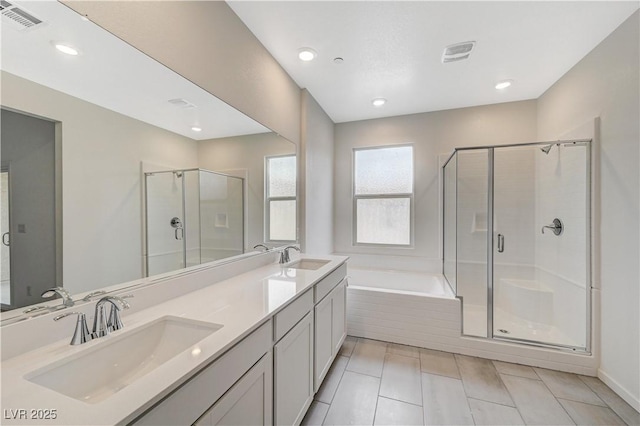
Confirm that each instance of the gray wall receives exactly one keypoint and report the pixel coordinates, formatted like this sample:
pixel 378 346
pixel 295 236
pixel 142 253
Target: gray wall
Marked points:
pixel 431 134
pixel 207 43
pixel 244 156
pixel 28 151
pixel 605 84
pixel 316 177
pixel 102 152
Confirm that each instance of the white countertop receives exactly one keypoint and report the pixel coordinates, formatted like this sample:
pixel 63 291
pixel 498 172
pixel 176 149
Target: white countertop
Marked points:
pixel 240 304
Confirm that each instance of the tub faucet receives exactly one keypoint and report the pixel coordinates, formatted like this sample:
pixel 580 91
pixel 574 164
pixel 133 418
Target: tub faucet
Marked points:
pixel 66 297
pixel 284 254
pixel 101 325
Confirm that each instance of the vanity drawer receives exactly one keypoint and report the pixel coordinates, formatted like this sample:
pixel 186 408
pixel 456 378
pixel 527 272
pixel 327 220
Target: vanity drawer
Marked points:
pixel 189 402
pixel 289 316
pixel 327 284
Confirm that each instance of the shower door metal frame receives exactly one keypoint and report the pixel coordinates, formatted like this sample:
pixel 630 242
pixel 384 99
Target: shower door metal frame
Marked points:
pixel 490 242
pixel 184 221
pixel 146 217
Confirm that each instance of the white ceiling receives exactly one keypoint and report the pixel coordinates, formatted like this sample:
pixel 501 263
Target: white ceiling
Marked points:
pixel 114 75
pixel 392 49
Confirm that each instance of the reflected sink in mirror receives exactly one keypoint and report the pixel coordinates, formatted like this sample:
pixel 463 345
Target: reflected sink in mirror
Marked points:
pixel 107 368
pixel 310 264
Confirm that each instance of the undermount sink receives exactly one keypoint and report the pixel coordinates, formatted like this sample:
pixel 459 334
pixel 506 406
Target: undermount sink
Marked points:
pixel 310 264
pixel 96 374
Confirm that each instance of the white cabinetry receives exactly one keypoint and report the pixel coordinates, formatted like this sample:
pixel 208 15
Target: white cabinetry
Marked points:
pixel 330 330
pixel 293 373
pixel 248 402
pixel 188 403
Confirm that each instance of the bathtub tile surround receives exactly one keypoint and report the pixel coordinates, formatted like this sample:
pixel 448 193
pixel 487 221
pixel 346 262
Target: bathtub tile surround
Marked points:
pixel 535 396
pixel 419 309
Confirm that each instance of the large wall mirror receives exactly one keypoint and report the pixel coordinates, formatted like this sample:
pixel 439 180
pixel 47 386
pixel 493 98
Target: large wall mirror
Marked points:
pixel 115 168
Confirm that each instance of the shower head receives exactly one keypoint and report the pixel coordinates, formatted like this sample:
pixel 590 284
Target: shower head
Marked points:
pixel 178 174
pixel 546 148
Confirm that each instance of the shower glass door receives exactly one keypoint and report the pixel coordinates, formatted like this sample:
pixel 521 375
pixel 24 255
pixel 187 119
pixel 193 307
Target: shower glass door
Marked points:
pixel 540 278
pixel 5 266
pixel 165 206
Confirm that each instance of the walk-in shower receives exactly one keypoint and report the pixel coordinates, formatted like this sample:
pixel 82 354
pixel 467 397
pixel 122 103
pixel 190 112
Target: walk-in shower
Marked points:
pixel 192 217
pixel 517 241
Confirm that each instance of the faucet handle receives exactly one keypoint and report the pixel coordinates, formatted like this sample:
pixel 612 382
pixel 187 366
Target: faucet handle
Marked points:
pixel 81 333
pixel 263 246
pixel 90 296
pixel 62 292
pixel 115 322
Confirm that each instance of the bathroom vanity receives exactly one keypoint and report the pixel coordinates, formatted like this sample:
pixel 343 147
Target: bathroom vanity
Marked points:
pixel 250 349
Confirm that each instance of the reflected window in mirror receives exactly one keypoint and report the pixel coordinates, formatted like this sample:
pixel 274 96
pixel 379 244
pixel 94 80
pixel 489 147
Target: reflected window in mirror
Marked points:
pixel 280 205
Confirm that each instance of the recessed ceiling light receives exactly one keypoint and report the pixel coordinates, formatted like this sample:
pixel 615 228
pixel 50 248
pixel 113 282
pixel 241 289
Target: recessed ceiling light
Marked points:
pixel 378 102
pixel 307 54
pixel 196 129
pixel 504 84
pixel 65 48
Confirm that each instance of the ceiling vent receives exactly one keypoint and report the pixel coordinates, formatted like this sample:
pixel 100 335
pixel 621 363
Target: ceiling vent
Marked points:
pixel 179 102
pixel 457 52
pixel 17 17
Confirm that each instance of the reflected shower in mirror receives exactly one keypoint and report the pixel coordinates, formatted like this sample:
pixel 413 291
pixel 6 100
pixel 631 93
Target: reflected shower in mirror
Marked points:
pixel 116 119
pixel 192 217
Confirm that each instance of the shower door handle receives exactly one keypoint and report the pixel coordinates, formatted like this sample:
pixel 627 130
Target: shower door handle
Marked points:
pixel 5 239
pixel 500 243
pixel 176 223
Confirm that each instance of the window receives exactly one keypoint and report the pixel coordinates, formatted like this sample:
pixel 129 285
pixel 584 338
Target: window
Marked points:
pixel 383 195
pixel 280 199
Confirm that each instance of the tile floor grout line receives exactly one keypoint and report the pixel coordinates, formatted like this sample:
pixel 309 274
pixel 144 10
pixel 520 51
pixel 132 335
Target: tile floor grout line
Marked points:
pixel 399 400
pixel 464 389
pixel 556 398
pixel 601 399
pixel 375 410
pixel 339 381
pixel 515 404
pixel 515 375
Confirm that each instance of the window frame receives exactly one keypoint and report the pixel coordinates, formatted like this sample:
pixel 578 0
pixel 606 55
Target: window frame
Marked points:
pixel 268 199
pixel 355 197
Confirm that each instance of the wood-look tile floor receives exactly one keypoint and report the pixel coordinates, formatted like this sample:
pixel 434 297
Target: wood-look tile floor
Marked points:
pixel 379 383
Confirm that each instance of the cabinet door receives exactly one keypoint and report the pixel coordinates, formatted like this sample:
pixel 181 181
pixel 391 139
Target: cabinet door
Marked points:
pixel 248 403
pixel 293 373
pixel 339 316
pixel 323 341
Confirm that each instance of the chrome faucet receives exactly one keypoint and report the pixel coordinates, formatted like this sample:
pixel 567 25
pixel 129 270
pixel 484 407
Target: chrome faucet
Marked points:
pixel 66 297
pixel 90 296
pixel 263 246
pixel 284 254
pixel 101 325
pixel 81 333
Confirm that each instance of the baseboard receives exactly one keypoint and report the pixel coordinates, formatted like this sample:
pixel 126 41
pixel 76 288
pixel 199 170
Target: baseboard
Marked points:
pixel 619 389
